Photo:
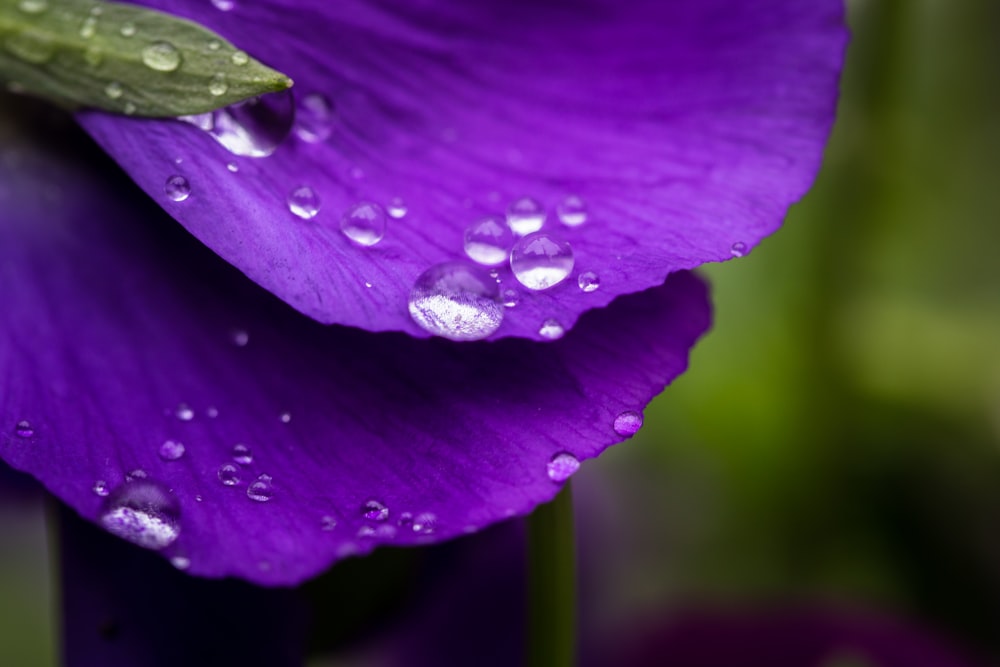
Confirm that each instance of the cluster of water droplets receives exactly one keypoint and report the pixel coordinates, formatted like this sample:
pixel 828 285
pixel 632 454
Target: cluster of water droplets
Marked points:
pixel 422 523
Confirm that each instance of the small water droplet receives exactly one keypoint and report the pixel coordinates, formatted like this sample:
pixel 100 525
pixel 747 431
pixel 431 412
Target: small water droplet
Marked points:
pixel 177 188
pixel 424 523
pixel 628 423
pixel 588 281
pixel 101 488
pixel 218 85
pixel 397 208
pixel 314 119
pixel 327 523
pixel 261 489
pixel 229 474
pixel 242 454
pixel 224 5
pixel 233 167
pixel 368 284
pixel 572 211
pixel 456 301
pixel 511 297
pixel 240 58
pixel 180 562
pixel 525 216
pixel 366 531
pixel 33 6
pixel 129 108
pixel 240 337
pixel 114 90
pixel 540 261
pixel 551 330
pixel 89 27
pixel 214 45
pixel 24 429
pixel 488 241
pixel 285 417
pixel 198 498
pixel 143 513
pixel 161 56
pixel 171 450
pixel 562 466
pixel 374 511
pixel 127 29
pixel 364 223
pixel 303 202
pixel 211 412
pixel 738 249
pixel 184 412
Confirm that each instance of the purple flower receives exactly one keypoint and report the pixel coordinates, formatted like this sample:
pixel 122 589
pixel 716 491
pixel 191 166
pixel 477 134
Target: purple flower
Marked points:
pixel 158 392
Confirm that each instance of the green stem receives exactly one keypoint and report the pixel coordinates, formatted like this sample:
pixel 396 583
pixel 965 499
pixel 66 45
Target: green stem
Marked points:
pixel 551 640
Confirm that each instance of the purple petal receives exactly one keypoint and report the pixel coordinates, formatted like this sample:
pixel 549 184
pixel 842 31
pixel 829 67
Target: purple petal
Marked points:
pixel 129 351
pixel 681 130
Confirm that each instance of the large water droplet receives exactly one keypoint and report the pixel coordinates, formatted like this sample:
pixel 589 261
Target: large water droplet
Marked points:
pixel 551 330
pixel 261 489
pixel 525 216
pixel 562 466
pixel 540 261
pixel 177 188
pixel 488 242
pixel 303 202
pixel 254 128
pixel 161 56
pixel 144 513
pixel 572 211
pixel 456 301
pixel 242 454
pixel 24 429
pixel 229 474
pixel 628 423
pixel 314 119
pixel 374 511
pixel 364 223
pixel 511 297
pixel 218 85
pixel 239 58
pixel 171 450
pixel 588 281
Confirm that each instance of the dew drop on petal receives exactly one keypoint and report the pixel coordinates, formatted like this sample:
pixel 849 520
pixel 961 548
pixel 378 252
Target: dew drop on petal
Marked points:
pixel 240 337
pixel 224 5
pixel 551 330
pixel 24 429
pixel 374 511
pixel 738 249
pixel 184 412
pixel 285 417
pixel 143 513
pixel 303 202
pixel 364 223
pixel 539 261
pixel 511 297
pixel 134 475
pixel 161 56
pixel 180 562
pixel 488 241
pixel 396 208
pixel 562 466
pixel 525 216
pixel 588 281
pixel 242 454
pixel 261 489
pixel 572 211
pixel 405 520
pixel 456 301
pixel 314 118
pixel 171 450
pixel 229 474
pixel 232 167
pixel 424 523
pixel 327 523
pixel 177 188
pixel 628 423
pixel 101 488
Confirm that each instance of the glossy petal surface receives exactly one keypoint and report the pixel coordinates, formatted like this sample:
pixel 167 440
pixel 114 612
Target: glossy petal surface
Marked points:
pixel 122 333
pixel 680 130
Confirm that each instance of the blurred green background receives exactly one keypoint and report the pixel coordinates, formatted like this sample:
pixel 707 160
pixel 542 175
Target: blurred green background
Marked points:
pixel 837 437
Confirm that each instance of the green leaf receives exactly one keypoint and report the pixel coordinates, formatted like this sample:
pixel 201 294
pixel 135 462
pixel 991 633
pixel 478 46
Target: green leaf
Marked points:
pixel 124 58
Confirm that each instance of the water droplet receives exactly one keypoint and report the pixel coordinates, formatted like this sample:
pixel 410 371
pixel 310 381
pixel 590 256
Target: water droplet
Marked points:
pixel 133 475
pixel 738 249
pixel 551 330
pixel 198 498
pixel 525 216
pixel 562 466
pixel 540 261
pixel 89 27
pixel 211 412
pixel 456 301
pixel 588 281
pixel 143 513
pixel 127 29
pixel 510 297
pixel 177 188
pixel 101 488
pixel 572 211
pixel 242 454
pixel 628 423
pixel 374 511
pixel 217 85
pixel 184 412
pixel 214 45
pixel 161 56
pixel 240 58
pixel 24 429
pixel 424 523
pixel 397 208
pixel 33 6
pixel 314 120
pixel 128 108
pixel 224 5
pixel 233 167
pixel 180 562
pixel 261 489
pixel 303 202
pixel 405 520
pixel 229 474
pixel 285 417
pixel 364 223
pixel 114 90
pixel 488 241
pixel 240 338
pixel 171 450
pixel 327 523
pixel 366 531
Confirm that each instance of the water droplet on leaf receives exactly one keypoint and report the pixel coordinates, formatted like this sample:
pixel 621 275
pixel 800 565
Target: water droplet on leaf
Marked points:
pixel 161 56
